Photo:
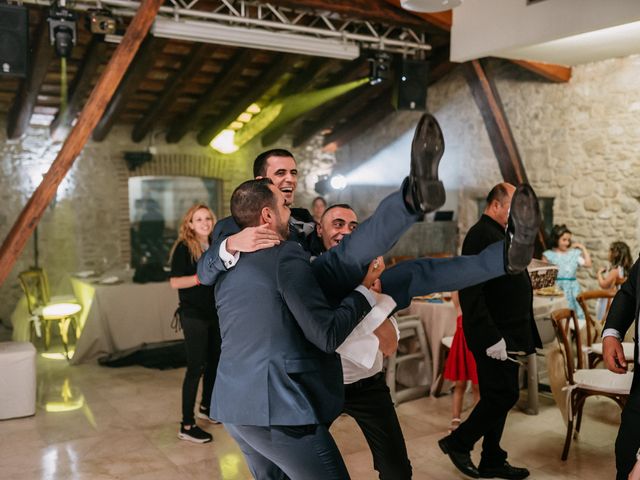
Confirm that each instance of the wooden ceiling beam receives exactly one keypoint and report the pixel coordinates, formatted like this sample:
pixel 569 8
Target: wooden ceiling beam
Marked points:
pixel 31 214
pixel 191 66
pixel 136 73
pixel 549 71
pixel 279 67
pixel 488 100
pixel 350 71
pixel 363 121
pixel 372 10
pixel 219 89
pixel 27 96
pixel 337 110
pixel 80 88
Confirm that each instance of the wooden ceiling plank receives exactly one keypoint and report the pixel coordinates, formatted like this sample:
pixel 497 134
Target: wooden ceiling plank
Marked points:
pixel 27 96
pixel 350 71
pixel 213 127
pixel 80 88
pixel 31 214
pixel 190 68
pixel 218 89
pixel 555 73
pixel 360 123
pixel 133 78
pixel 343 108
pixel 376 10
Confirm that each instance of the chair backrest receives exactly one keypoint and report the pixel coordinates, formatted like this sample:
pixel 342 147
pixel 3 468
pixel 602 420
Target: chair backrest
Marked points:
pixel 33 283
pixel 561 320
pixel 594 326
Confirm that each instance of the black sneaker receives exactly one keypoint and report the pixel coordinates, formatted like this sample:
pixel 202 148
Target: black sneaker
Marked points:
pixel 194 434
pixel 203 413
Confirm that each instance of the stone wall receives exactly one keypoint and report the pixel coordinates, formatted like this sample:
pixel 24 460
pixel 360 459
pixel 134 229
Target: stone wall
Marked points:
pixel 579 142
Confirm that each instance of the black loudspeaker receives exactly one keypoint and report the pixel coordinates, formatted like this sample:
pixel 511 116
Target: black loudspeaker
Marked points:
pixel 410 88
pixel 14 40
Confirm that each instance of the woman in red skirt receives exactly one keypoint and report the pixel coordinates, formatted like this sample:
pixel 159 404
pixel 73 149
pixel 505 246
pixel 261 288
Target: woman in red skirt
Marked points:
pixel 460 368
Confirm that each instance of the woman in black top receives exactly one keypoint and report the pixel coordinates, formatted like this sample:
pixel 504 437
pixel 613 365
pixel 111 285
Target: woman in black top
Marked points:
pixel 198 318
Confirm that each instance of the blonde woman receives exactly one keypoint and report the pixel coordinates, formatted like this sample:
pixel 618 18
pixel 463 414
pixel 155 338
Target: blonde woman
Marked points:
pixel 198 318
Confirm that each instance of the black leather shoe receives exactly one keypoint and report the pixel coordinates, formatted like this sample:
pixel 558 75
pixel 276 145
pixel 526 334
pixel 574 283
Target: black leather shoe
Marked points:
pixel 504 471
pixel 461 460
pixel 523 226
pixel 423 192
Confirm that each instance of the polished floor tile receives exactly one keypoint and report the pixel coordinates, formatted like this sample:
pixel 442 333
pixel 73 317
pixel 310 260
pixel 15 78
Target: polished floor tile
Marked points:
pixel 100 423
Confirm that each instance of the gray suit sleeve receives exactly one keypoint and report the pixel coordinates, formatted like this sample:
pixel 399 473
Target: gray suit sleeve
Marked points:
pixel 323 326
pixel 210 266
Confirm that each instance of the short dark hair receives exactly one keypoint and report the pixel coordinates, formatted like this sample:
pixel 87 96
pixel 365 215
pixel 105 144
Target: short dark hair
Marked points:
pixel 248 200
pixel 556 232
pixel 498 193
pixel 260 163
pixel 337 205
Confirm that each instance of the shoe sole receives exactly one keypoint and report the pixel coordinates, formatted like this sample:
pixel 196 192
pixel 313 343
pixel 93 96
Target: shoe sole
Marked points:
pixel 182 436
pixel 445 450
pixel 429 141
pixel 206 417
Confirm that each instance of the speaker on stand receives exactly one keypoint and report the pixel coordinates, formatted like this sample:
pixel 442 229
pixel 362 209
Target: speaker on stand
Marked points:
pixel 410 87
pixel 14 40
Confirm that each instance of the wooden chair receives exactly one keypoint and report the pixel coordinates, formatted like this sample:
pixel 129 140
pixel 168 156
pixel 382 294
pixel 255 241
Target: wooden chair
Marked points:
pixel 411 328
pixel 444 352
pixel 582 382
pixel 44 312
pixel 593 348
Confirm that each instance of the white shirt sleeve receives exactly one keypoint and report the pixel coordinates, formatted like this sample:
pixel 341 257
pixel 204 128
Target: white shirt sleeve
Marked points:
pixel 611 332
pixel 228 260
pixel 368 294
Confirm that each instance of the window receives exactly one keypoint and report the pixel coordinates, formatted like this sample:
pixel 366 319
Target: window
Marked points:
pixel 156 207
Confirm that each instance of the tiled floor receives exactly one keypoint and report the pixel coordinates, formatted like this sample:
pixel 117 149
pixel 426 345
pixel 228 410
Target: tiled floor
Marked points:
pixel 122 423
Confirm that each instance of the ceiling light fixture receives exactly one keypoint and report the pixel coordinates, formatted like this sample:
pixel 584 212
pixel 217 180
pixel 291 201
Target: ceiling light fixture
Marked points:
pixel 209 32
pixel 429 5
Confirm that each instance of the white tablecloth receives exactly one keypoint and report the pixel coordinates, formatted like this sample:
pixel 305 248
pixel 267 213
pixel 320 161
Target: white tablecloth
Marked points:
pixel 122 316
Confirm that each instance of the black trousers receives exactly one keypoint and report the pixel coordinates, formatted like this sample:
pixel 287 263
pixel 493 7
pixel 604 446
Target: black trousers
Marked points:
pixel 369 402
pixel 628 440
pixel 499 392
pixel 202 342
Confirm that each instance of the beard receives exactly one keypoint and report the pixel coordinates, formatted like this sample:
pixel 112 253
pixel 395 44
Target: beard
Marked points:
pixel 282 228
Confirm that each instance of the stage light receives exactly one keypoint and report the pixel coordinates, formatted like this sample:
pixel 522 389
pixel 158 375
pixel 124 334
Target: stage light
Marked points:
pixel 328 183
pixel 338 182
pixel 379 67
pixel 62 30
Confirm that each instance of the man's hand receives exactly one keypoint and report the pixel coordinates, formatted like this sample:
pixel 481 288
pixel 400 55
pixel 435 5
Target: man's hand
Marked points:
pixel 377 286
pixel 252 239
pixel 613 355
pixel 387 338
pixel 498 351
pixel 376 267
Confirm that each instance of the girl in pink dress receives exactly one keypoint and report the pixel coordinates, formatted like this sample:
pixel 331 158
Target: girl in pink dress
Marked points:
pixel 460 368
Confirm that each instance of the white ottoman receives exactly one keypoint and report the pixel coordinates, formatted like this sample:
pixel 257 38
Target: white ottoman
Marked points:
pixel 17 379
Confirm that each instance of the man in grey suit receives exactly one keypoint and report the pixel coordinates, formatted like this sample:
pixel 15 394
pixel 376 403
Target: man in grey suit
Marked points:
pixel 279 382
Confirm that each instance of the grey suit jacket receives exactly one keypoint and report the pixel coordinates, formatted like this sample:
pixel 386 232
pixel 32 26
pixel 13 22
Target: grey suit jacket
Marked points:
pixel 278 364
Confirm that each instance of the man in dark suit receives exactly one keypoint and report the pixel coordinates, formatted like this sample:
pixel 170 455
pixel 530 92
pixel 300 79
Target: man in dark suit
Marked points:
pixel 623 312
pixel 279 381
pixel 497 318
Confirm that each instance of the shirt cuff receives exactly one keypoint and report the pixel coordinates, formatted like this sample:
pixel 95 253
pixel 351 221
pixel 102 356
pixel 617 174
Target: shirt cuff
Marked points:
pixel 228 260
pixel 611 332
pixel 367 294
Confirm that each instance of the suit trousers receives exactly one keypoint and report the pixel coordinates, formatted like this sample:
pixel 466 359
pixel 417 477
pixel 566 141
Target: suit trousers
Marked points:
pixel 628 440
pixel 302 452
pixel 369 402
pixel 499 392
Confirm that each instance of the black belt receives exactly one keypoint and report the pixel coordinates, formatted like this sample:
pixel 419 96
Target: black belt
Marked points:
pixel 365 382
